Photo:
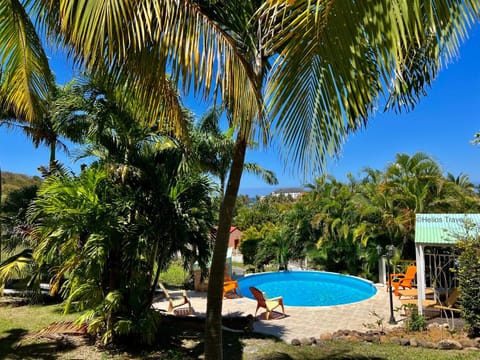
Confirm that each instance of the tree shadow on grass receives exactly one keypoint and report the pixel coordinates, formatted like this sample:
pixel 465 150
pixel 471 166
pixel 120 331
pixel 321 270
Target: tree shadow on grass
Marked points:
pixel 183 337
pixel 7 343
pixel 16 346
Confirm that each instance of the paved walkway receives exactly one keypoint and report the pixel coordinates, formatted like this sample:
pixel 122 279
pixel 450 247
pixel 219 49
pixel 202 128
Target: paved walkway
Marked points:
pixel 301 322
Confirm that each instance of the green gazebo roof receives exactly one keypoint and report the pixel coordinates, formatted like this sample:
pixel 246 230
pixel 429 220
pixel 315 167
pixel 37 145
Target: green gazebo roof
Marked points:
pixel 440 229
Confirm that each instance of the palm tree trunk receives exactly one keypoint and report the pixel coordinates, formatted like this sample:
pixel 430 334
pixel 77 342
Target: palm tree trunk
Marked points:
pixel 213 326
pixel 52 154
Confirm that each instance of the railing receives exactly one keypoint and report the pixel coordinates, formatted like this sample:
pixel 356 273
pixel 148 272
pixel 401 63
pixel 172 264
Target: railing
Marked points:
pixel 400 266
pixel 439 271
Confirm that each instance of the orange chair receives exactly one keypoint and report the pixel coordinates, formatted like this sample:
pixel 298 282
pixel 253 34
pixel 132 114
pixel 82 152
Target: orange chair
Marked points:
pixel 230 285
pixel 264 302
pixel 404 280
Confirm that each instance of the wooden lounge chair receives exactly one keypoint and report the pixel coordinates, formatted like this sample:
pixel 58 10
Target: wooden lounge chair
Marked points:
pixel 176 301
pixel 449 304
pixel 413 293
pixel 264 302
pixel 403 280
pixel 230 285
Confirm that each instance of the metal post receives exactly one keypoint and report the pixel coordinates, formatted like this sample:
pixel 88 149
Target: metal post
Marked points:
pixel 392 318
pixel 382 273
pixel 389 254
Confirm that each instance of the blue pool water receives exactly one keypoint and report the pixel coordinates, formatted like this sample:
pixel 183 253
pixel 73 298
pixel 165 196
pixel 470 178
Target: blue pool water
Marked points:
pixel 309 288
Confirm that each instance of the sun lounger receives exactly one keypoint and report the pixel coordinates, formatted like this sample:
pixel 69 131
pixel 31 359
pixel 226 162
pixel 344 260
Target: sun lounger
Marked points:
pixel 412 293
pixel 176 301
pixel 269 304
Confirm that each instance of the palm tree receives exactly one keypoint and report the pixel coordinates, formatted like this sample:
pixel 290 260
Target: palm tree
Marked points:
pixel 215 150
pixel 315 68
pixel 460 194
pixel 1 210
pixel 40 133
pixel 119 223
pixel 418 177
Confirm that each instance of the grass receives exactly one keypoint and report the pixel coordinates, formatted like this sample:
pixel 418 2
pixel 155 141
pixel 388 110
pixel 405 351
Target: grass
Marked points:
pixel 31 317
pixel 268 349
pixel 238 264
pixel 18 321
pixel 15 322
pixel 175 275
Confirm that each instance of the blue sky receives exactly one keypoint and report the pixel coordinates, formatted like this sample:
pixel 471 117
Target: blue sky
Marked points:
pixel 442 125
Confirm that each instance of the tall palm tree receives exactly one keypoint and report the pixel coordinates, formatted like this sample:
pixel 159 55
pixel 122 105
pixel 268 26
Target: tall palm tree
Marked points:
pixel 40 133
pixel 1 221
pixel 215 150
pixel 315 68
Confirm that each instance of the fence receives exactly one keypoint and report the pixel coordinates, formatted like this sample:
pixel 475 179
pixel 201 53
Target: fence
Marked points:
pixel 439 270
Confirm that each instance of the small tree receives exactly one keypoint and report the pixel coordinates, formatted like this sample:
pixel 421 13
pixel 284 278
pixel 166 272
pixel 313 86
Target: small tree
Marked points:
pixel 468 248
pixel 248 248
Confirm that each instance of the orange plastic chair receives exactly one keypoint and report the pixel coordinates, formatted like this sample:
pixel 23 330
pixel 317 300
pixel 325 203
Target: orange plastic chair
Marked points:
pixel 404 280
pixel 264 302
pixel 230 285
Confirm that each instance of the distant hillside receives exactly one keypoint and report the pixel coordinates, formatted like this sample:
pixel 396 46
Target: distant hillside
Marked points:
pixel 13 181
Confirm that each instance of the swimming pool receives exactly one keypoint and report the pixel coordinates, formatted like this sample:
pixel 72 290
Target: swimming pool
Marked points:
pixel 309 288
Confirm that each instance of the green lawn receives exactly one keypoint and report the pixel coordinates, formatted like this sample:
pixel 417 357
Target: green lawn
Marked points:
pixel 268 349
pixel 16 322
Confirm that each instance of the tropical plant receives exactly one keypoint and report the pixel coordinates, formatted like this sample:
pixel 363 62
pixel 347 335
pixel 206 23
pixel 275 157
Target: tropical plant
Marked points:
pixel 115 234
pixel 322 65
pixel 468 269
pixel 389 201
pixel 336 228
pixel 114 228
pixel 338 225
pixel 267 210
pixel 13 217
pixel 16 260
pixel 415 321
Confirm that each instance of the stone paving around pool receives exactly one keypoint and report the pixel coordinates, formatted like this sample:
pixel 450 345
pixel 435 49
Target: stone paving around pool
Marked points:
pixel 306 322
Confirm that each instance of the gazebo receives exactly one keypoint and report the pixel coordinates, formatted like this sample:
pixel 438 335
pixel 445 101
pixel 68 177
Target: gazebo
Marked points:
pixel 437 230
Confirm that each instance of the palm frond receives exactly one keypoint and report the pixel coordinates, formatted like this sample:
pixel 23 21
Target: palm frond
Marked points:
pixel 141 40
pixel 26 79
pixel 337 59
pixel 58 329
pixel 16 266
pixel 267 176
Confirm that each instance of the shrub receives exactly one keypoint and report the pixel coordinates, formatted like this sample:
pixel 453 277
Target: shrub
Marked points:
pixel 415 322
pixel 469 281
pixel 248 248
